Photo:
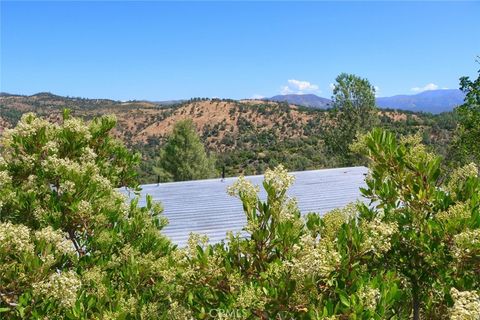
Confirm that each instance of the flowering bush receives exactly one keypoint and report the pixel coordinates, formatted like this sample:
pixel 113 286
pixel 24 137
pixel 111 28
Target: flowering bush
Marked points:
pixel 71 247
pixel 436 247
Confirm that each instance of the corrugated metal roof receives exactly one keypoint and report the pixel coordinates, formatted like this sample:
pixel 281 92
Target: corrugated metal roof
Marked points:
pixel 204 207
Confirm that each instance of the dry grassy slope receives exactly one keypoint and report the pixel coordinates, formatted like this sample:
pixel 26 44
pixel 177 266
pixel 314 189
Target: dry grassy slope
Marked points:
pixel 139 121
pixel 214 119
pixel 226 117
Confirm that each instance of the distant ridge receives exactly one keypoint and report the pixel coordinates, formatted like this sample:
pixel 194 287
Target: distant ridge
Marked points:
pixel 306 100
pixel 433 101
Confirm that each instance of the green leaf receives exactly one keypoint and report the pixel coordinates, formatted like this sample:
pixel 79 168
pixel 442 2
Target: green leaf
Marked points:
pixel 344 299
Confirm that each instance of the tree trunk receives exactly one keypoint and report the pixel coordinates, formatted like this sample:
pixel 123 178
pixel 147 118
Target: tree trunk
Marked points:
pixel 415 304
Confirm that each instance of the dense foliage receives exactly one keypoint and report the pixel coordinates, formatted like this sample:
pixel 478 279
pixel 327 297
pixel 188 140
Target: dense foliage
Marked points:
pixel 353 112
pixel 183 156
pixel 71 247
pixel 467 143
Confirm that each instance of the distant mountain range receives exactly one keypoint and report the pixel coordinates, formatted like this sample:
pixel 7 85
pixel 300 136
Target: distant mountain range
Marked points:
pixel 433 101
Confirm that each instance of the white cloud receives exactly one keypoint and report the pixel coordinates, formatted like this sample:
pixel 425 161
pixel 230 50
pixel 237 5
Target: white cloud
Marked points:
pixel 285 90
pixel 377 90
pixel 303 85
pixel 257 96
pixel 430 86
pixel 299 87
pixel 331 86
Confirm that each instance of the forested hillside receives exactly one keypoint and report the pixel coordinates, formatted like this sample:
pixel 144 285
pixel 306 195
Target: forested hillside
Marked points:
pixel 246 136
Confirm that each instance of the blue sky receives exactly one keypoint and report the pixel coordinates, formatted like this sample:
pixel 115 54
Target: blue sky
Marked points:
pixel 174 50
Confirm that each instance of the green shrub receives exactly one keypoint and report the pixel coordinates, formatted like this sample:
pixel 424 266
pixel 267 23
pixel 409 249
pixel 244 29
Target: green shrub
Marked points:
pixel 70 245
pixel 72 248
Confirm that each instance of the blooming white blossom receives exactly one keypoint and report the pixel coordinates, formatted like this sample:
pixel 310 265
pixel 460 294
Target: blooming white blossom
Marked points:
pixel 195 240
pixel 61 287
pixel 245 190
pixel 78 127
pixel 279 178
pixel 466 306
pixel 458 211
pixel 459 175
pixel 315 258
pixel 369 297
pixel 28 126
pixel 250 297
pixel 16 238
pixel 334 219
pixel 5 178
pixel 84 208
pixel 88 154
pixel 51 147
pixel 66 187
pixel 466 243
pixel 56 238
pixel 378 236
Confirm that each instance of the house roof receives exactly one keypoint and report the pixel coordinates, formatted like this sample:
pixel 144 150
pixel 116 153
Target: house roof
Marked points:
pixel 204 207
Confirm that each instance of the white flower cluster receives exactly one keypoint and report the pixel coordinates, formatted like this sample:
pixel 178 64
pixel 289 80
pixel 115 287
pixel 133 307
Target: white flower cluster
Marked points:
pixel 5 191
pixel 458 211
pixel 245 190
pixel 250 297
pixel 5 178
pixel 460 175
pixel 279 178
pixel 51 147
pixel 57 165
pixel 334 219
pixel 88 154
pixel 378 236
pixel 466 243
pixel 61 287
pixel 195 240
pixel 178 312
pixel 15 238
pixel 315 258
pixel 466 306
pixel 369 297
pixel 287 211
pixel 77 126
pixel 57 239
pixel 416 150
pixel 102 182
pixel 84 208
pixel 67 187
pixel 28 126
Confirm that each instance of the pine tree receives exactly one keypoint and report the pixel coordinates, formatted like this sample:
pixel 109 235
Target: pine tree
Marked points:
pixel 184 157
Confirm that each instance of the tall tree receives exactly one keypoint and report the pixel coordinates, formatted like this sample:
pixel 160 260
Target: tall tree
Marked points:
pixel 183 157
pixel 468 131
pixel 353 112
